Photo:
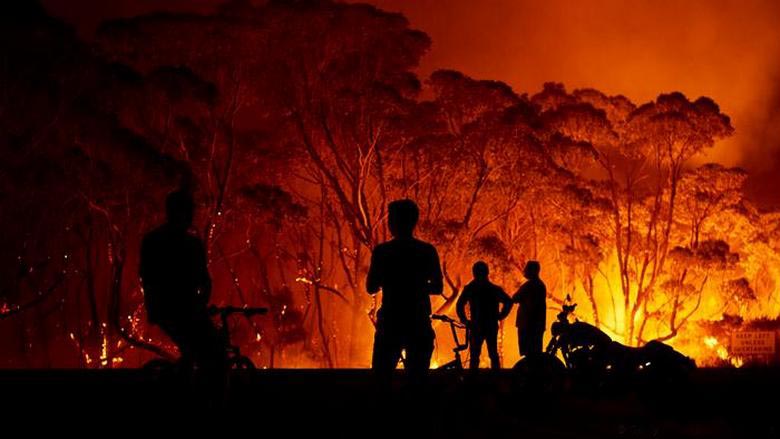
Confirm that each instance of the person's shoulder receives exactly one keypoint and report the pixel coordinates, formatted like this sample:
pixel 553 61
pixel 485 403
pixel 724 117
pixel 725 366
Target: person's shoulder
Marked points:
pixel 382 252
pixel 537 286
pixel 154 235
pixel 427 246
pixel 497 288
pixel 523 287
pixel 157 231
pixel 467 292
pixel 382 247
pixel 193 240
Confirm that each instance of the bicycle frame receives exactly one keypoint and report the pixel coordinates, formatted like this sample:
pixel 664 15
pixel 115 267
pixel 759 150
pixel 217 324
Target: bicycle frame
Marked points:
pixel 234 357
pixel 224 330
pixel 457 363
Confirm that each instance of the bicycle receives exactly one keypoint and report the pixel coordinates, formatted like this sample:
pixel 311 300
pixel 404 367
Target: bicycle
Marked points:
pixel 235 359
pixel 457 363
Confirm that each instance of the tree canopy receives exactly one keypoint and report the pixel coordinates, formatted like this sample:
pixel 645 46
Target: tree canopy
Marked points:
pixel 295 123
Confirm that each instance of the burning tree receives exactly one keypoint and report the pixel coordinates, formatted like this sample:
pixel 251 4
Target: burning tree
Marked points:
pixel 295 123
pixel 78 181
pixel 642 154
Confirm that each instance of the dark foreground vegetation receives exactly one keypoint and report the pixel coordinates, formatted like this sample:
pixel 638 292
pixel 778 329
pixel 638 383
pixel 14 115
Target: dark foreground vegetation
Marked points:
pixel 716 403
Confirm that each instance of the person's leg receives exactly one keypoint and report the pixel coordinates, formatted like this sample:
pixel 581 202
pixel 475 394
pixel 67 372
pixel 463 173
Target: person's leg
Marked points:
pixel 415 396
pixel 210 356
pixel 384 360
pixel 179 333
pixel 536 342
pixel 520 341
pixel 419 348
pixel 475 348
pixel 209 349
pixel 491 338
pixel 387 351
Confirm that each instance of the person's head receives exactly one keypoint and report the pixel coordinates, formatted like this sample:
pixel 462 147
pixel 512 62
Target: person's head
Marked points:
pixel 402 217
pixel 179 209
pixel 480 270
pixel 532 269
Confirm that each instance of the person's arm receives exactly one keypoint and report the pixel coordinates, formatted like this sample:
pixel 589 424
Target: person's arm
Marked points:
pixel 374 278
pixel 204 281
pixel 436 285
pixel 143 264
pixel 148 281
pixel 518 295
pixel 506 304
pixel 460 306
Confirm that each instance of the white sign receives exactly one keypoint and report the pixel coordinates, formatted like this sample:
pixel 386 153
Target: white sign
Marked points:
pixel 752 343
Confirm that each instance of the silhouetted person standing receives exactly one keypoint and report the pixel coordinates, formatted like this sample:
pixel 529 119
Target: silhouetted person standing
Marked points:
pixel 488 304
pixel 407 271
pixel 532 312
pixel 177 285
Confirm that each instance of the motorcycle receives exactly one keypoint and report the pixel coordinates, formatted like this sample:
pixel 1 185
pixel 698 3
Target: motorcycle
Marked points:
pixel 591 355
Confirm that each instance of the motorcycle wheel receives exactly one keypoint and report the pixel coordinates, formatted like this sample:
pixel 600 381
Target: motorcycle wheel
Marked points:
pixel 542 373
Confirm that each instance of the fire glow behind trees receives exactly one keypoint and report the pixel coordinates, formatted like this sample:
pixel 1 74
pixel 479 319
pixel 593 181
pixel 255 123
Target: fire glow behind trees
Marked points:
pixel 295 124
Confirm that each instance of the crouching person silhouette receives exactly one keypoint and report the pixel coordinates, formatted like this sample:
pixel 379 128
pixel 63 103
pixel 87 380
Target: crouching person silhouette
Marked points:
pixel 532 313
pixel 407 271
pixel 177 287
pixel 488 304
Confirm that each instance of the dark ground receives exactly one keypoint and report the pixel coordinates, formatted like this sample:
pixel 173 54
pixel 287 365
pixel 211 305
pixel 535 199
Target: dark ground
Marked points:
pixel 716 403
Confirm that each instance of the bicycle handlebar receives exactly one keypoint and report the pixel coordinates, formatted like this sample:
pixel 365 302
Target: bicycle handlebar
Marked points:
pixel 441 317
pixel 447 319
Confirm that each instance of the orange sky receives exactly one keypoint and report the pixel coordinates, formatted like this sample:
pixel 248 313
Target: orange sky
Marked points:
pixel 726 49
